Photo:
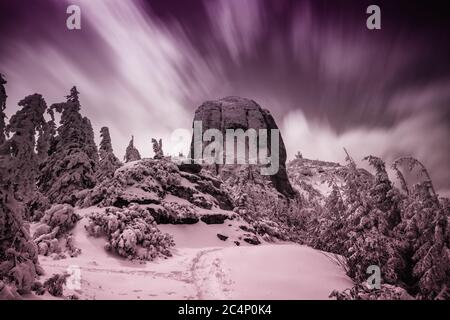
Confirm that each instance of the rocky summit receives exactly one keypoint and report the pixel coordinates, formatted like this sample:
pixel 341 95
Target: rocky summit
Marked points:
pixel 240 113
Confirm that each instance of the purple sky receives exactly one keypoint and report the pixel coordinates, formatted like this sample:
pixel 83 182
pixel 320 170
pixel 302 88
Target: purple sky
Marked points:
pixel 142 68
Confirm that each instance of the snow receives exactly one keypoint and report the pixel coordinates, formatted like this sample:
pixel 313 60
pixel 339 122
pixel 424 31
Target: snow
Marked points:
pixel 202 267
pixel 286 271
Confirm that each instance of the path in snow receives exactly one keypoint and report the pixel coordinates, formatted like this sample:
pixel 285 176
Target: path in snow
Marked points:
pixel 218 271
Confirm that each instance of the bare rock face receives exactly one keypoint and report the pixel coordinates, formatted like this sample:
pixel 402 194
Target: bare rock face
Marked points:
pixel 240 113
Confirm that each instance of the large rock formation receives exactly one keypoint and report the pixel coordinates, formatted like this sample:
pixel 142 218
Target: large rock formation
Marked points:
pixel 240 113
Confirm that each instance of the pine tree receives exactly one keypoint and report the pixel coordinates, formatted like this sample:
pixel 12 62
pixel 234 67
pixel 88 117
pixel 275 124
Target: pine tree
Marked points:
pixel 132 154
pixel 424 229
pixel 46 138
pixel 369 239
pixel 331 232
pixel 19 265
pixel 157 149
pixel 21 146
pixel 3 97
pixel 108 162
pixel 382 193
pixel 71 166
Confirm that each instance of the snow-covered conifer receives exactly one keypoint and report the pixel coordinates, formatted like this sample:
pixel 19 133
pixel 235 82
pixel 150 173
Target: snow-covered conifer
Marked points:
pixel 71 166
pixel 424 229
pixel 3 97
pixel 19 264
pixel 108 162
pixel 132 154
pixel 21 147
pixel 157 149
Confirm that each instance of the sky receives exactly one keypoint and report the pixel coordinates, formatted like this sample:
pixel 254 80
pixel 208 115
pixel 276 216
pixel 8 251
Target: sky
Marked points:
pixel 143 67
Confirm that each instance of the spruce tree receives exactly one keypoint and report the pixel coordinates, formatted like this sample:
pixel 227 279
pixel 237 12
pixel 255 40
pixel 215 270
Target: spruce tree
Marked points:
pixel 132 154
pixel 22 145
pixel 71 166
pixel 157 149
pixel 108 162
pixel 3 97
pixel 424 230
pixel 331 233
pixel 382 193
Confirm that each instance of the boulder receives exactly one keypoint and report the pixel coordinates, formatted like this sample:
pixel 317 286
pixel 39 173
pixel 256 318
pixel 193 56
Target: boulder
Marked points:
pixel 216 218
pixel 222 237
pixel 240 113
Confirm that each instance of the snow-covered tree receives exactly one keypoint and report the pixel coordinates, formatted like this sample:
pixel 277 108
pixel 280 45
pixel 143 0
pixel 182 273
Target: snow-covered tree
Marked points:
pixel 19 264
pixel 298 155
pixel 108 162
pixel 424 230
pixel 157 149
pixel 71 166
pixel 22 145
pixel 382 193
pixel 46 139
pixel 132 154
pixel 330 231
pixel 3 97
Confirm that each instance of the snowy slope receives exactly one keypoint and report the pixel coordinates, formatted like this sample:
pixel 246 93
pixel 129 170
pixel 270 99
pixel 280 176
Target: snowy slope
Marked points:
pixel 203 267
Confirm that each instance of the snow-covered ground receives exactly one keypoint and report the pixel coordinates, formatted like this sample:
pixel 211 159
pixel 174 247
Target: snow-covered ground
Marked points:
pixel 203 267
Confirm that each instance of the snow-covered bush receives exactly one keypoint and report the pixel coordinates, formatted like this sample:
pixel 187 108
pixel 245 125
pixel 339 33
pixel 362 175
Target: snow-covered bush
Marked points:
pixel 62 216
pixel 270 229
pixel 362 292
pixel 55 284
pixel 51 232
pixel 261 205
pixel 147 176
pixel 180 212
pixel 131 233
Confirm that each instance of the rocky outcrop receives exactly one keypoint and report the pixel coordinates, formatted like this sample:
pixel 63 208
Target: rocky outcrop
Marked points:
pixel 239 113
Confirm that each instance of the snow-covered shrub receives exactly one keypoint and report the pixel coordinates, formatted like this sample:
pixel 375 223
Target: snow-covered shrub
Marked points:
pixel 180 212
pixel 261 205
pixel 362 292
pixel 131 233
pixel 52 230
pixel 62 216
pixel 270 229
pixel 8 292
pixel 200 201
pixel 54 284
pixel 104 194
pixel 145 176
